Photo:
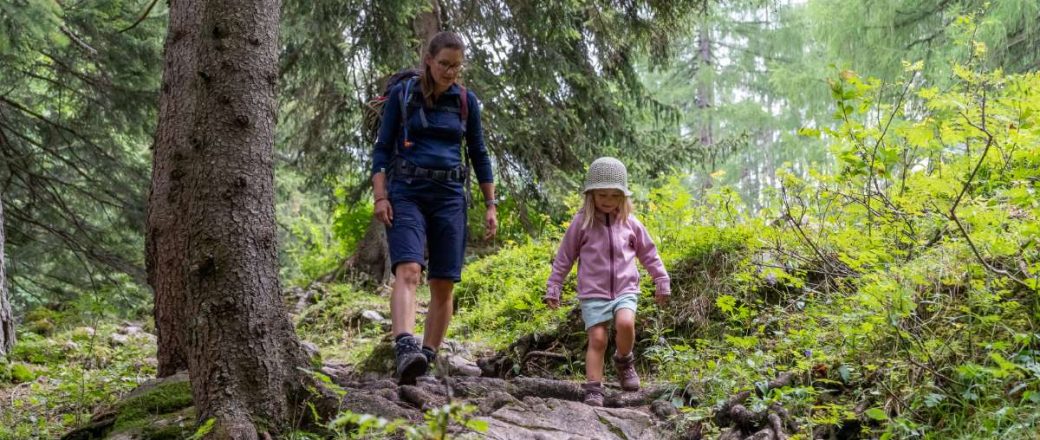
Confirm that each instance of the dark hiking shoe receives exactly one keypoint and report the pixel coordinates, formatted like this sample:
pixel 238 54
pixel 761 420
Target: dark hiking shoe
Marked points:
pixel 411 362
pixel 626 371
pixel 431 355
pixel 593 393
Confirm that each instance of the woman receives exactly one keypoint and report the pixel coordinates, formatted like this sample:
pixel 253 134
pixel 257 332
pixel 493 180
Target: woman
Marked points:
pixel 418 180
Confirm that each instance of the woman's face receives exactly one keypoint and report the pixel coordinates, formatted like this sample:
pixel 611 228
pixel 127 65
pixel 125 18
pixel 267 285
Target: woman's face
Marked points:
pixel 445 67
pixel 607 200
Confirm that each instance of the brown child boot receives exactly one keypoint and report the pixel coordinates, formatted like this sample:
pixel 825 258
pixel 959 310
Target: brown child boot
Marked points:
pixel 626 371
pixel 593 393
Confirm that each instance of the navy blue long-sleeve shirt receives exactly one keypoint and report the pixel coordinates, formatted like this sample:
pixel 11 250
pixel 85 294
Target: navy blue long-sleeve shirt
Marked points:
pixel 439 145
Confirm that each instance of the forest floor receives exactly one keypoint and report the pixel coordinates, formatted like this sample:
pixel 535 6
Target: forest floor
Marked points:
pixel 517 393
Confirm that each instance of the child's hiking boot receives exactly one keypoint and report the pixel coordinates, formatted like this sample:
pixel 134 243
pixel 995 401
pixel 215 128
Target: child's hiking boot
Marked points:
pixel 410 360
pixel 593 393
pixel 626 371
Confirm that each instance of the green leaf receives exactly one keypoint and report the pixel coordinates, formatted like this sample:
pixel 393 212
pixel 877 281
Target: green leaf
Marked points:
pixel 726 303
pixel 477 425
pixel 809 132
pixel 876 414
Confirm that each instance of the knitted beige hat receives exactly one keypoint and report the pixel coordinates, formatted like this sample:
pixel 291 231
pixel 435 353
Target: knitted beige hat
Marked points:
pixel 607 173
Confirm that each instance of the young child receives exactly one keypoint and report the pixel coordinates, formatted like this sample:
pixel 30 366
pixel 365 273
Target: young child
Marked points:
pixel 606 238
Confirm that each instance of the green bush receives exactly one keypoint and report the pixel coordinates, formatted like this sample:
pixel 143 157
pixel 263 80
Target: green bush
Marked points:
pixel 500 296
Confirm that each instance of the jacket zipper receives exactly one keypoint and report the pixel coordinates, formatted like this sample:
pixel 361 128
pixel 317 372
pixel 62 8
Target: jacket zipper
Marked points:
pixel 610 236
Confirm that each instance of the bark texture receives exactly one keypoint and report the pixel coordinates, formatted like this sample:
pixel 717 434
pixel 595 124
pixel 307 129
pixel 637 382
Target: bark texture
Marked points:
pixel 6 319
pixel 167 241
pixel 212 239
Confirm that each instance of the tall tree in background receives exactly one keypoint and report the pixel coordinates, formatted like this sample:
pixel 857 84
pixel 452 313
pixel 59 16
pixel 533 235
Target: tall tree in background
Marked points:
pixel 745 84
pixel 6 320
pixel 211 232
pixel 874 38
pixel 77 114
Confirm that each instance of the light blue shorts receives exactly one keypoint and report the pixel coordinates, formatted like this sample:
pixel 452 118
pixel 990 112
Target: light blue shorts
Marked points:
pixel 596 311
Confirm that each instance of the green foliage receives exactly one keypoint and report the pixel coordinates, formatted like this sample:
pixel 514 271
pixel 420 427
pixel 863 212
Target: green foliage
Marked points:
pixel 908 272
pixel 349 223
pixel 438 423
pixel 500 296
pixel 37 349
pixel 203 429
pixel 23 23
pixel 20 373
pixel 77 116
pixel 315 238
pixel 335 324
pixel 73 372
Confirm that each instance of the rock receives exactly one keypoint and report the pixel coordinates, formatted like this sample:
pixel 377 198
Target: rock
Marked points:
pixel 339 373
pixel 460 366
pixel 663 409
pixel 82 333
pixel 494 401
pixel 537 418
pixel 372 316
pixel 301 298
pixel 311 349
pixel 119 339
pixel 149 386
pixel 378 405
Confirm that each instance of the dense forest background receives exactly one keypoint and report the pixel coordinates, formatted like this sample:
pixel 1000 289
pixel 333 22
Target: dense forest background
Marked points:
pixel 843 190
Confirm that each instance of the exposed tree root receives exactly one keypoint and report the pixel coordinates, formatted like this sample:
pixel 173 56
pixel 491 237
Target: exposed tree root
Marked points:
pixel 773 423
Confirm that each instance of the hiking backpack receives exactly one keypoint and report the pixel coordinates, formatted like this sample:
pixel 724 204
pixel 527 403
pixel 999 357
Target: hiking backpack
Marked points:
pixel 409 77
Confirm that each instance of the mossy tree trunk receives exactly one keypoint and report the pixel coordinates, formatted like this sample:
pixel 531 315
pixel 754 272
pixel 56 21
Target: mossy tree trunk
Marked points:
pixel 211 233
pixel 6 320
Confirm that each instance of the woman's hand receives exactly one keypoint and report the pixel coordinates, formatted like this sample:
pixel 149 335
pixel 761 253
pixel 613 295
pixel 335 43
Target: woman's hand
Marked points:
pixel 384 212
pixel 490 222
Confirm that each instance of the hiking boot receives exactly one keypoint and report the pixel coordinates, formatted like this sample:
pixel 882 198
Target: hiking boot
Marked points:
pixel 431 356
pixel 626 371
pixel 593 393
pixel 411 362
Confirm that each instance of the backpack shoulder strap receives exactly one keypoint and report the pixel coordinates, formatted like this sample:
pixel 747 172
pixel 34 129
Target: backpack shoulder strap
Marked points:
pixel 464 105
pixel 406 95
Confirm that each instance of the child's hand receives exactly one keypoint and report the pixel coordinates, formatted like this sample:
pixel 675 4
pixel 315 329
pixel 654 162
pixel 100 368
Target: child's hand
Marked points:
pixel 661 300
pixel 552 303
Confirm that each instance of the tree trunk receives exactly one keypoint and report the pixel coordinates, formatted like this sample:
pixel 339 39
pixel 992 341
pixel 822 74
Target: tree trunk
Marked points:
pixel 212 238
pixel 166 240
pixel 6 320
pixel 372 257
pixel 704 101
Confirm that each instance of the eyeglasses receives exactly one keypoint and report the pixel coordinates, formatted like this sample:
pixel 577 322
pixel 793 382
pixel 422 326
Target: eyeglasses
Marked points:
pixel 448 67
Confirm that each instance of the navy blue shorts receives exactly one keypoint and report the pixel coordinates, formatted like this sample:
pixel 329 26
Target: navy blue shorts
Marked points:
pixel 437 220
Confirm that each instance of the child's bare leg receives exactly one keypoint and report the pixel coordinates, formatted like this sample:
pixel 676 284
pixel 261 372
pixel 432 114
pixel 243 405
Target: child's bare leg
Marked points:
pixel 594 354
pixel 625 328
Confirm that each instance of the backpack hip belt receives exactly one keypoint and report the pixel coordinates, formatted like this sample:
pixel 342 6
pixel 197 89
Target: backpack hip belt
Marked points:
pixel 405 169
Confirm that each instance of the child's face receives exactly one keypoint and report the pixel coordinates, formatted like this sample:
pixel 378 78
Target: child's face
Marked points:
pixel 607 200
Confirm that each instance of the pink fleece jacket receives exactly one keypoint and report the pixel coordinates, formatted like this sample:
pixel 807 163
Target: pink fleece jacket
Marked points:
pixel 606 253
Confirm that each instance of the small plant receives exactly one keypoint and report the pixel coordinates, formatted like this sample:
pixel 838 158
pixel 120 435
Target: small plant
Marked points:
pixel 438 424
